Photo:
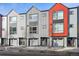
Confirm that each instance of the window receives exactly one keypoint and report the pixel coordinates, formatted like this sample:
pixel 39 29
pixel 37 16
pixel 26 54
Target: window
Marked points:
pixel 44 26
pixel 54 16
pixel 58 28
pixel 13 19
pixel 44 14
pixel 33 17
pixel 71 12
pixel 71 25
pixel 58 15
pixel 33 29
pixel 12 30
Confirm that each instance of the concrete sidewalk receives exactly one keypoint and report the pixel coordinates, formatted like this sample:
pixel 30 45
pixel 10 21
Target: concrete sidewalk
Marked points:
pixel 50 49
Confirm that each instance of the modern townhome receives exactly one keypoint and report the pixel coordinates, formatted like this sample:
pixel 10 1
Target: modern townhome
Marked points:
pixel 37 27
pixel 16 28
pixel 56 27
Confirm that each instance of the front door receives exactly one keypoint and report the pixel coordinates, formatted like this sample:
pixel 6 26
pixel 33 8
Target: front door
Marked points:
pixel 70 42
pixel 44 41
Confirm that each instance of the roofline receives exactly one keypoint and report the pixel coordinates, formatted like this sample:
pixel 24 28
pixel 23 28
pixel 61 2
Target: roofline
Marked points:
pixel 44 10
pixel 31 8
pixel 21 13
pixel 73 7
pixel 59 3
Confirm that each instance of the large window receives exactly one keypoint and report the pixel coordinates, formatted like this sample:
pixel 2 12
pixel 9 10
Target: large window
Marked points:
pixel 58 15
pixel 12 30
pixel 58 28
pixel 13 19
pixel 33 17
pixel 33 29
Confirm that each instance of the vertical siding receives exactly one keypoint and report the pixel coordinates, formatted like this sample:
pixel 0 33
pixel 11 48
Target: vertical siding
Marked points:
pixel 0 25
pixel 73 22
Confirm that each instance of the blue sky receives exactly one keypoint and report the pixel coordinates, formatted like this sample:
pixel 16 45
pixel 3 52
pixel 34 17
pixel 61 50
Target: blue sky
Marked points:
pixel 23 7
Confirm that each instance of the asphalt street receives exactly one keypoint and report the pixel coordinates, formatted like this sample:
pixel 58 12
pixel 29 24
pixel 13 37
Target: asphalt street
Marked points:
pixel 15 51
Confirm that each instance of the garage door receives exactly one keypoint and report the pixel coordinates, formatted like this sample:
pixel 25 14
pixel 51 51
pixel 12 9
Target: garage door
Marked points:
pixel 58 43
pixel 13 42
pixel 33 42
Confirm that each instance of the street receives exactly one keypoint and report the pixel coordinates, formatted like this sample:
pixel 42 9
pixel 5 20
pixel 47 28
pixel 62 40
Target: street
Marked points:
pixel 29 52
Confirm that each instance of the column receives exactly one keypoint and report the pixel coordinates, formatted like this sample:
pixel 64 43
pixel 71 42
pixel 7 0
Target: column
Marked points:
pixel 27 44
pixel 17 41
pixel 65 42
pixel 0 41
pixel 75 43
pixel 49 43
pixel 8 39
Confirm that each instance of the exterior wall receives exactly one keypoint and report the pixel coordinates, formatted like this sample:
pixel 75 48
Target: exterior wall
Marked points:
pixel 21 26
pixel 20 23
pixel 43 24
pixel 0 28
pixel 0 25
pixel 4 27
pixel 13 13
pixel 73 22
pixel 32 11
pixel 58 7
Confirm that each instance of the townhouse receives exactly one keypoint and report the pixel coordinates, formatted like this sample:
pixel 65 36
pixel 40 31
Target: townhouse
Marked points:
pixel 37 27
pixel 56 27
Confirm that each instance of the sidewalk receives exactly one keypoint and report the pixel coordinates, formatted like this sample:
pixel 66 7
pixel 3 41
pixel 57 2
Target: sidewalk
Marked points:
pixel 50 49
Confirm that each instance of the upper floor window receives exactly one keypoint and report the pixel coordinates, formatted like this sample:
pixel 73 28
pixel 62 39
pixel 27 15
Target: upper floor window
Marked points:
pixel 71 25
pixel 71 12
pixel 13 19
pixel 13 30
pixel 58 15
pixel 33 29
pixel 58 28
pixel 33 17
pixel 44 26
pixel 44 14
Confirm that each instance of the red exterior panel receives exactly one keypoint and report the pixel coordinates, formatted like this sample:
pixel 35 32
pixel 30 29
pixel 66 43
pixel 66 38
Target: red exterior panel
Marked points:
pixel 58 7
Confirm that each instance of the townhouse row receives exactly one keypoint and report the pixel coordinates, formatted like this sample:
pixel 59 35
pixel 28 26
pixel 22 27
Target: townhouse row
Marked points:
pixel 56 27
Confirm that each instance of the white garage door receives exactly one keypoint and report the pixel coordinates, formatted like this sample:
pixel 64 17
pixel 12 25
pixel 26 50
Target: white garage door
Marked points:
pixel 33 42
pixel 13 42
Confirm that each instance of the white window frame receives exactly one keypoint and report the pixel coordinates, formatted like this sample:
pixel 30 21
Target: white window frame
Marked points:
pixel 33 17
pixel 56 15
pixel 12 21
pixel 57 26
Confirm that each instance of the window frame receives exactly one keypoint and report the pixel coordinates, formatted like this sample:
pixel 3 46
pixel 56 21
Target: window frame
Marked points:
pixel 30 17
pixel 57 15
pixel 58 31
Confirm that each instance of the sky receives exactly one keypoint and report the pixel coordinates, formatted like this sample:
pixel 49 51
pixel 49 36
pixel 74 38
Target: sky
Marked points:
pixel 5 8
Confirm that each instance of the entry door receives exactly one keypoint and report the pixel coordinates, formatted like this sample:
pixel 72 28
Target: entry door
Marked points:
pixel 43 41
pixel 70 42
